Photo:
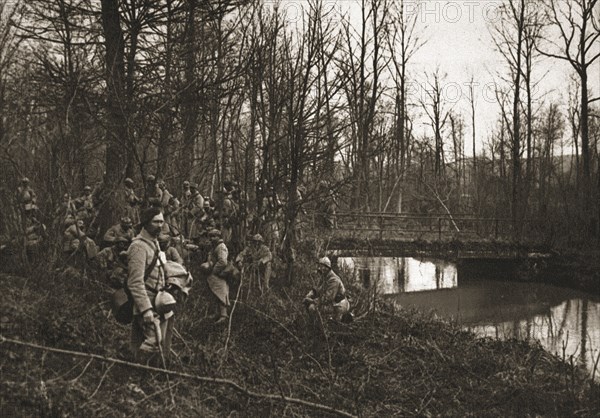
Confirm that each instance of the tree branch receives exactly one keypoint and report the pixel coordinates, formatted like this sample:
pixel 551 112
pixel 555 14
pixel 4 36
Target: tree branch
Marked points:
pixel 235 386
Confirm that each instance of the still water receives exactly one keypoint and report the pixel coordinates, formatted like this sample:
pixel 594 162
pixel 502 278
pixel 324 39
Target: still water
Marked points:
pixel 564 321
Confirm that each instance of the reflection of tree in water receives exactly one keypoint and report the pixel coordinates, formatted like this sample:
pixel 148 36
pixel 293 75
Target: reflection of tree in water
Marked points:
pixel 584 333
pixel 400 277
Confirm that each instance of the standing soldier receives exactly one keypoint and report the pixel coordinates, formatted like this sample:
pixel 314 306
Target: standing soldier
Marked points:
pixel 85 205
pixel 255 262
pixel 194 208
pixel 26 197
pixel 66 212
pixel 174 210
pixel 165 197
pixel 153 192
pixel 215 267
pixel 150 332
pixel 132 202
pixel 229 216
pixel 186 195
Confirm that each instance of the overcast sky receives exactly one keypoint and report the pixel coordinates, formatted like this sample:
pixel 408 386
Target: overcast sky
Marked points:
pixel 460 44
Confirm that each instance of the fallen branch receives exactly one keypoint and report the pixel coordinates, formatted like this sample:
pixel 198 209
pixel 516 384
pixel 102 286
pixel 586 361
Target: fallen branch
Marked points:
pixel 204 379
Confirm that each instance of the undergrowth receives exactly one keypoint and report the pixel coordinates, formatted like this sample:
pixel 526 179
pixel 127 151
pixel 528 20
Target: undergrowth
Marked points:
pixel 389 362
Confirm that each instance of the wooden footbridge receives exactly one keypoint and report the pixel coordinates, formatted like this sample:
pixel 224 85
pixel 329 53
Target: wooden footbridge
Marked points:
pixel 448 236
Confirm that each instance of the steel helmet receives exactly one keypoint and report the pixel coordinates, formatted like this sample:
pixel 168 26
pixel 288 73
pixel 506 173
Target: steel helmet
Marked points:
pixel 150 178
pixel 24 180
pixel 258 238
pixel 128 181
pixel 165 302
pixel 324 261
pixel 87 189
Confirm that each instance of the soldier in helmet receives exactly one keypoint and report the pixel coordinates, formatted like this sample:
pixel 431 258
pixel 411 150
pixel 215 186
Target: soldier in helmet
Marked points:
pixel 215 267
pixel 330 297
pixel 171 253
pixel 124 229
pixel 255 262
pixel 85 205
pixel 113 261
pixel 186 195
pixel 66 212
pixel 153 192
pixel 132 201
pixel 26 197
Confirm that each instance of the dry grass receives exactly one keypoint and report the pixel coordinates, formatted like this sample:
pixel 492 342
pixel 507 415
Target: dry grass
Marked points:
pixel 390 363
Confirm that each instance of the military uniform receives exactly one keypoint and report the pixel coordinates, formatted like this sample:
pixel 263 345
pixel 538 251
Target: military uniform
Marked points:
pixel 140 256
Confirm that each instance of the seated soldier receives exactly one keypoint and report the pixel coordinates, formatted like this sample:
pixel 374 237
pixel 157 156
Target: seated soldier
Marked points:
pixel 171 254
pixel 113 260
pixel 331 295
pixel 124 229
pixel 77 246
pixel 256 260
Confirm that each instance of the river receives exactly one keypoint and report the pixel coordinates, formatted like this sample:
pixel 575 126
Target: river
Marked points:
pixel 565 322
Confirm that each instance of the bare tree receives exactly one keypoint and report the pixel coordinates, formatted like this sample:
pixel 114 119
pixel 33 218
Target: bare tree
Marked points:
pixel 576 26
pixel 403 42
pixel 438 113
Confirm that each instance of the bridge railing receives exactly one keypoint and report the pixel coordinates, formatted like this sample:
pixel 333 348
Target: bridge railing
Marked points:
pixel 440 227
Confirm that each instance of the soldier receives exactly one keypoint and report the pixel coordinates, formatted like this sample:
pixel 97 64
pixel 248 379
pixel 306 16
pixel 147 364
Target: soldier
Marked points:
pixel 255 262
pixel 124 229
pixel 174 211
pixel 196 198
pixel 215 267
pixel 171 253
pixel 229 216
pixel 106 258
pixel 331 295
pixel 67 211
pixel 26 197
pixel 186 195
pixel 132 202
pixel 165 195
pixel 113 261
pixel 77 246
pixel 85 205
pixel 151 331
pixel 35 233
pixel 153 192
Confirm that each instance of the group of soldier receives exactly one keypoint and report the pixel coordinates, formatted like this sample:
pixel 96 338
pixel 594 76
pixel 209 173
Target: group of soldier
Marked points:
pixel 163 227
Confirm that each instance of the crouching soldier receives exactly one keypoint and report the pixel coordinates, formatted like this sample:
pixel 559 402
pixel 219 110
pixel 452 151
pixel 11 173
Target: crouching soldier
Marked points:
pixel 151 328
pixel 331 295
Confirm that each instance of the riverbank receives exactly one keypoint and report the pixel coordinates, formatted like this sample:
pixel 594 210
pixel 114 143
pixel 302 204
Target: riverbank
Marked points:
pixel 575 268
pixel 387 363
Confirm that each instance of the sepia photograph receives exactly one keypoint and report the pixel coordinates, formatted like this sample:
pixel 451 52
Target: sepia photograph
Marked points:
pixel 300 208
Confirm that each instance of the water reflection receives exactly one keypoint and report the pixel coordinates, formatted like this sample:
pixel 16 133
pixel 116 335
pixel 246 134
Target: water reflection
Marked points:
pixel 566 322
pixel 402 274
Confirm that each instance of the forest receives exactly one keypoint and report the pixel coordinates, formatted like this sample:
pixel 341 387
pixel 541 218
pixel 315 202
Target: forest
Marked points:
pixel 93 92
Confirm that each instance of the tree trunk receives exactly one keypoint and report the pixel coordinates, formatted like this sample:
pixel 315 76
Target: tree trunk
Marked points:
pixel 116 134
